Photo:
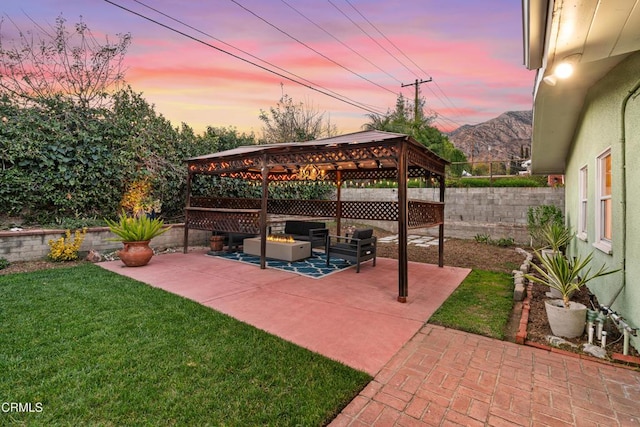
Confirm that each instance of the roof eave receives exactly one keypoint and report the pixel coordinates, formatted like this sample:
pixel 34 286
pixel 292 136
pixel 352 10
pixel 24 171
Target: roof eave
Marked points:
pixel 534 24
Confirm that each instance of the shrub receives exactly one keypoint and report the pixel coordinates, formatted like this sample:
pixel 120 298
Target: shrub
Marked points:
pixel 515 181
pixel 482 238
pixel 66 248
pixel 4 263
pixel 502 242
pixel 540 217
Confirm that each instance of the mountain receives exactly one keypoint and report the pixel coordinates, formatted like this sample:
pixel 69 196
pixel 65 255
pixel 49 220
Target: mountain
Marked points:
pixel 505 137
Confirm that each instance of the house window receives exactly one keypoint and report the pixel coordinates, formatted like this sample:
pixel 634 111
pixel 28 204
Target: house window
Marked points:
pixel 604 224
pixel 582 208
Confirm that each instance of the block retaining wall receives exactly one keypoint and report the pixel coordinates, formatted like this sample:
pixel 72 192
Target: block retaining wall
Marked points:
pixel 498 212
pixel 30 245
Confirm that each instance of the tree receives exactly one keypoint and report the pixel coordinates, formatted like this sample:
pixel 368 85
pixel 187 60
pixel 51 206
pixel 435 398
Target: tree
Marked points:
pixel 221 139
pixel 290 122
pixel 401 120
pixel 41 65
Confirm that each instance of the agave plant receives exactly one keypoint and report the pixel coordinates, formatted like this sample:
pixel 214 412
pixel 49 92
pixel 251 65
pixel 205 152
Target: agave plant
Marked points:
pixel 136 229
pixel 556 235
pixel 564 274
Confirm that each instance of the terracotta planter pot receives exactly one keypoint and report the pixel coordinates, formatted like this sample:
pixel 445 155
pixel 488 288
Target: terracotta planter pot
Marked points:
pixel 135 254
pixel 566 322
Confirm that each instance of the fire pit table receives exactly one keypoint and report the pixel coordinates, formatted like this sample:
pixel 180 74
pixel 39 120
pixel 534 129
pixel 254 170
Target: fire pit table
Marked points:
pixel 279 247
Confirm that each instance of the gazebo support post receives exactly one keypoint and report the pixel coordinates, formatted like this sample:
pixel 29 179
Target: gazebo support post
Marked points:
pixel 185 249
pixel 403 277
pixel 338 201
pixel 263 213
pixel 441 226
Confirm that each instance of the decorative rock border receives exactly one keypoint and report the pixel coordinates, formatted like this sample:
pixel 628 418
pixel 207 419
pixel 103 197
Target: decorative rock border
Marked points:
pixel 522 292
pixel 518 275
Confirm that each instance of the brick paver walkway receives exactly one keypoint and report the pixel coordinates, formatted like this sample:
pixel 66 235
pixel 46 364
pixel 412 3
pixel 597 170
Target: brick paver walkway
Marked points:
pixel 444 377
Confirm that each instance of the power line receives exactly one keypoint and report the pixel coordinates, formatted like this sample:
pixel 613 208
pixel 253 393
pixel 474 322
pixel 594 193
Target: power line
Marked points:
pixel 309 47
pixel 455 107
pixel 385 37
pixel 368 35
pixel 406 56
pixel 338 40
pixel 393 56
pixel 236 56
pixel 250 55
pixel 310 85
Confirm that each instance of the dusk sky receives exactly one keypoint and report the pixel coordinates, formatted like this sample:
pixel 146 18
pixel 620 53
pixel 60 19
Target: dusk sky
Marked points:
pixel 358 50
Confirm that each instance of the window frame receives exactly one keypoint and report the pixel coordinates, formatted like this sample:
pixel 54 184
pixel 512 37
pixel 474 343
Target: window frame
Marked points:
pixel 604 203
pixel 583 202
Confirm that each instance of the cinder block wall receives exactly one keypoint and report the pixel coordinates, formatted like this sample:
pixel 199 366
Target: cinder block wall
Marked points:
pixel 498 212
pixel 29 245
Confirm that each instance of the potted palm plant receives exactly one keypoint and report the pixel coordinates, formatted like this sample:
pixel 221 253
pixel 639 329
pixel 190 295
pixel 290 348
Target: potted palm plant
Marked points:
pixel 135 233
pixel 566 318
pixel 555 237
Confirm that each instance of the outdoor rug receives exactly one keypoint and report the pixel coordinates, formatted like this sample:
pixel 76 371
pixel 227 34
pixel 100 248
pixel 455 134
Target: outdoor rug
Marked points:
pixel 314 266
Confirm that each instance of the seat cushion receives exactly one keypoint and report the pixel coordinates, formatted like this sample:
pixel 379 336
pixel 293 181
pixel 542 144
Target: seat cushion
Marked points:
pixel 363 234
pixel 301 227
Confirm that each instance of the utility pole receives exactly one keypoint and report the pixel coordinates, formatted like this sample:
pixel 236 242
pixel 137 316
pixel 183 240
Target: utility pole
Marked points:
pixel 416 102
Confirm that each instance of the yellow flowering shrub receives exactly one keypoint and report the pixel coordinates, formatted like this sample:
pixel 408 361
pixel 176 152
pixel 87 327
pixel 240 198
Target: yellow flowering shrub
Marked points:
pixel 137 192
pixel 138 200
pixel 66 248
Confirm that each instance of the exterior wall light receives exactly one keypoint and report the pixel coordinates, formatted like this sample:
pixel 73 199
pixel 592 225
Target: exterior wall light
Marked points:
pixel 565 68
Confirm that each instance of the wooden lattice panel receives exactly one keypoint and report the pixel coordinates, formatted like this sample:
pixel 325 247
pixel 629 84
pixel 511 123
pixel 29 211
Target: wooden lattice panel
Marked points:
pixel 383 211
pixel 317 208
pixel 218 166
pixel 333 155
pixel 209 214
pixel 425 214
pixel 416 172
pixel 232 221
pixel 417 158
pixel 370 174
pixel 225 203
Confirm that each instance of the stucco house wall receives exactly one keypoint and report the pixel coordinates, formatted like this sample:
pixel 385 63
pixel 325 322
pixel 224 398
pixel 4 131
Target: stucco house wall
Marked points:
pixel 599 129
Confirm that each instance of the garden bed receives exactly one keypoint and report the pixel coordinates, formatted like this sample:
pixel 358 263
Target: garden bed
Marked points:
pixel 537 327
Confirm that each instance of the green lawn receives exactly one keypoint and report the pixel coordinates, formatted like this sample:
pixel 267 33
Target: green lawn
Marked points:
pixel 96 348
pixel 481 305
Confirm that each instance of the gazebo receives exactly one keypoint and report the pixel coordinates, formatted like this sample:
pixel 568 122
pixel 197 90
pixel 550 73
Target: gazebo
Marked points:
pixel 366 155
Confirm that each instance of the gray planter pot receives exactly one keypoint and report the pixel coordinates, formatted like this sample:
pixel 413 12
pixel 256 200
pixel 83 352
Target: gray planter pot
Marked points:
pixel 566 322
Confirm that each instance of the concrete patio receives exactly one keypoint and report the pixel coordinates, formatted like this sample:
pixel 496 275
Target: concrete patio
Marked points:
pixel 347 316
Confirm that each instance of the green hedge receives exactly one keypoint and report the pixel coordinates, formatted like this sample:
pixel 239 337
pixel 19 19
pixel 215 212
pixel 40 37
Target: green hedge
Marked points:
pixel 516 181
pixel 61 164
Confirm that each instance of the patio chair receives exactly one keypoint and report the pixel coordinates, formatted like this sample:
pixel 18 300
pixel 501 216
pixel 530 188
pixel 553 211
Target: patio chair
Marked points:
pixel 359 247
